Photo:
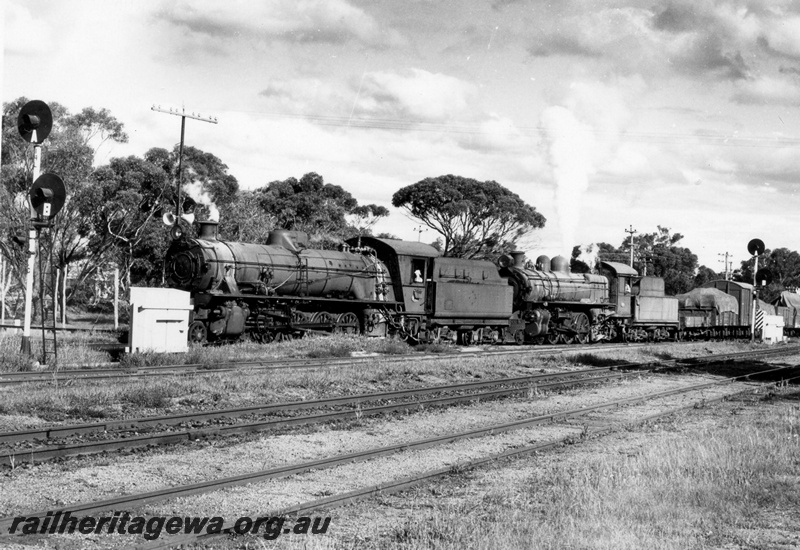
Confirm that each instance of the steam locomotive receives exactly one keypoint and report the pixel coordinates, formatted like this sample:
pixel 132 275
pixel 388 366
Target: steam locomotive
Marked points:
pixel 382 287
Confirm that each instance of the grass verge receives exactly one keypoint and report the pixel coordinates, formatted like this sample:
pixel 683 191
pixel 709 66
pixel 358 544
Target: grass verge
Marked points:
pixel 691 489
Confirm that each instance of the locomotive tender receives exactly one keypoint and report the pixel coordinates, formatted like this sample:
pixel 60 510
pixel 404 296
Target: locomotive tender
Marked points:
pixel 382 287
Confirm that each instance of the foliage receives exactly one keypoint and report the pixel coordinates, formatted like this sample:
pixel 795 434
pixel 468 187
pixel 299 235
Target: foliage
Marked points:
pixel 318 208
pixel 784 264
pixel 69 151
pixel 476 219
pixel 204 178
pixel 244 220
pixel 128 195
pixel 705 275
pixel 656 254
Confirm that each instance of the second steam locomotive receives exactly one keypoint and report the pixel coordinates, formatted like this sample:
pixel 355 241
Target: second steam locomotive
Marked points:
pixel 385 287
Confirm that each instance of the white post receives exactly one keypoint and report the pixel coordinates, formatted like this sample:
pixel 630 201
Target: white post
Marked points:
pixel 2 291
pixel 64 297
pixel 55 297
pixel 116 297
pixel 755 301
pixel 26 326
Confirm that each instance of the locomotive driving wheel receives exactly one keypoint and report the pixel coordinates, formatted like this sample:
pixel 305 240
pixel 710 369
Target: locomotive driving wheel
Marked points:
pixel 581 325
pixel 263 332
pixel 323 318
pixel 553 337
pixel 298 318
pixel 198 334
pixel 347 323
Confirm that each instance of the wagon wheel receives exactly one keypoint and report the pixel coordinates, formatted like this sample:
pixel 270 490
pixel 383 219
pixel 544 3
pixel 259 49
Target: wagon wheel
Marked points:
pixel 198 334
pixel 347 323
pixel 465 337
pixel 582 327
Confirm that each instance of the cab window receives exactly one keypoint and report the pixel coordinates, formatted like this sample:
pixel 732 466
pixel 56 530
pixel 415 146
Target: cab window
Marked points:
pixel 417 272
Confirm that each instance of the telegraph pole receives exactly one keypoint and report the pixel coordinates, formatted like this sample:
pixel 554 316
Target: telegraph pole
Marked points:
pixel 184 115
pixel 725 262
pixel 631 231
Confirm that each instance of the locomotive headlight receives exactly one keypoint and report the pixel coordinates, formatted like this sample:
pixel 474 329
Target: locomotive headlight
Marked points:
pixel 183 267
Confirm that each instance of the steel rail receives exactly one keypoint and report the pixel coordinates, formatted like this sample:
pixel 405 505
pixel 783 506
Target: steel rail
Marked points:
pixel 395 486
pixel 18 377
pixel 67 375
pixel 50 452
pixel 137 500
pixel 51 432
pixel 175 419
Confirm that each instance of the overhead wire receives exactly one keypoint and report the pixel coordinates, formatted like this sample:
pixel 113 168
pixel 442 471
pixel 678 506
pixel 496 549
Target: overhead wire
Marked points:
pixel 475 127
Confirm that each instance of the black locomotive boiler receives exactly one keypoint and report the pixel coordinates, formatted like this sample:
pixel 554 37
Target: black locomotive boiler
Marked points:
pixel 556 306
pixel 373 286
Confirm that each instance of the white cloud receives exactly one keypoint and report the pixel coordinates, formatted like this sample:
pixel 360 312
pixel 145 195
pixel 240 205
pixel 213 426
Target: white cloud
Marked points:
pixel 767 90
pixel 305 95
pixel 24 33
pixel 783 35
pixel 415 93
pixel 299 21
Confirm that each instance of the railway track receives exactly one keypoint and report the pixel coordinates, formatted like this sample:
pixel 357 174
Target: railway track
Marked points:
pixel 393 401
pixel 133 502
pixel 122 373
pixel 118 372
pixel 31 455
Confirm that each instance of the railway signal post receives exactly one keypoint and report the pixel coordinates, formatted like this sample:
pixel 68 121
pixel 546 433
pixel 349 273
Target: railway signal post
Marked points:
pixel 34 122
pixel 755 247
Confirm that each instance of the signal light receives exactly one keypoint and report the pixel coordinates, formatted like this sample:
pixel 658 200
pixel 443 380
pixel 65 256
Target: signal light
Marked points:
pixel 35 121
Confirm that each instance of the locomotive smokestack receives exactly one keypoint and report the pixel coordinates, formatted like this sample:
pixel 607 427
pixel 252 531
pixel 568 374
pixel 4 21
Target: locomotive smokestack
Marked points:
pixel 519 258
pixel 208 230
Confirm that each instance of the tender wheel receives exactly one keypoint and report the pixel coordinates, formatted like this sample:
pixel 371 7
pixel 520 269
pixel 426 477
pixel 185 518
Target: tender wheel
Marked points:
pixel 347 323
pixel 582 327
pixel 198 334
pixel 465 337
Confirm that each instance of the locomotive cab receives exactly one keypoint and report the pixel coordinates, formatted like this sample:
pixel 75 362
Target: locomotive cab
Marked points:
pixel 621 282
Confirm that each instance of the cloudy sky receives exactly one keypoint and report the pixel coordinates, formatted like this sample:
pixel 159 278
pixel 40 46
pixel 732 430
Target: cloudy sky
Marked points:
pixel 602 115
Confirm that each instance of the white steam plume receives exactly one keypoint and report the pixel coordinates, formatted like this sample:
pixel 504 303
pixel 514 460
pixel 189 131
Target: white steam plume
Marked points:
pixel 581 135
pixel 200 196
pixel 590 255
pixel 571 146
